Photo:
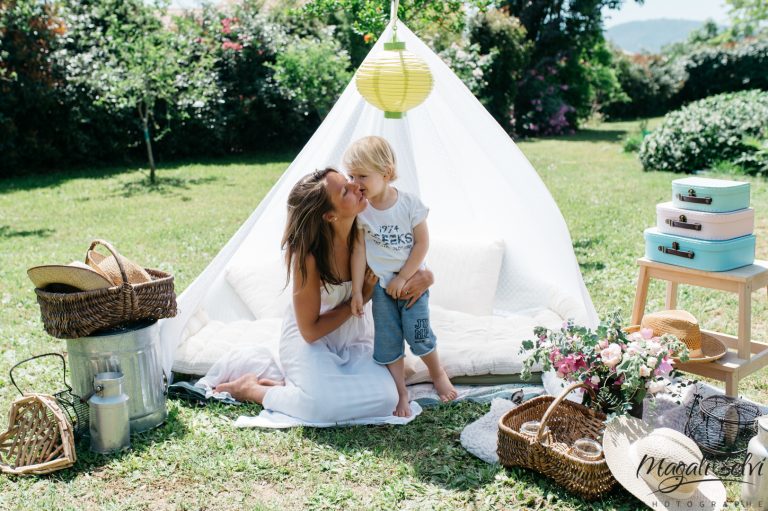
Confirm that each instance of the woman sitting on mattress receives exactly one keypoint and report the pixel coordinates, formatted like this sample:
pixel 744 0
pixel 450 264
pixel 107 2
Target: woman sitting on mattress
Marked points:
pixel 325 351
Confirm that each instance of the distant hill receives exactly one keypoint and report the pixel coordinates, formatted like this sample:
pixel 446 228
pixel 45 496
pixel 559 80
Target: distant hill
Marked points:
pixel 650 35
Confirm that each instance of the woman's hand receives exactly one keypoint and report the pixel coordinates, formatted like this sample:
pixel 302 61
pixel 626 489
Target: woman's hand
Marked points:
pixel 369 282
pixel 416 286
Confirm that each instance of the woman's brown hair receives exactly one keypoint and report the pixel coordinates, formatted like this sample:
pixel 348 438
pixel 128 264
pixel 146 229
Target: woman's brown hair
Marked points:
pixel 307 232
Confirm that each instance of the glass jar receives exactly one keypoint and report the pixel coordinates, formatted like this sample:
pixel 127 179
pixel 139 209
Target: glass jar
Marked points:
pixel 587 449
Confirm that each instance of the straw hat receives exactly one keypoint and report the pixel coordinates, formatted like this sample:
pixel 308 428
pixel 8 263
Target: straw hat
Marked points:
pixel 649 463
pixel 702 347
pixel 107 265
pixel 75 274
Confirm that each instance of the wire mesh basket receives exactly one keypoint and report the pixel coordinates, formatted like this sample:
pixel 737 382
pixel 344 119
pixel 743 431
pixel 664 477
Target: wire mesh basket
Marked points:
pixel 75 408
pixel 721 425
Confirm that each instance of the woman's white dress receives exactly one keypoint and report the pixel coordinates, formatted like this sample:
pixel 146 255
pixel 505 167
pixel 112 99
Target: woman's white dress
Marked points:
pixel 333 379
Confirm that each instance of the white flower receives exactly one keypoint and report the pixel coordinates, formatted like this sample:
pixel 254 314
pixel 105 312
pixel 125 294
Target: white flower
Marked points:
pixel 654 348
pixel 651 362
pixel 611 355
pixel 477 72
pixel 595 380
pixel 645 371
pixel 657 386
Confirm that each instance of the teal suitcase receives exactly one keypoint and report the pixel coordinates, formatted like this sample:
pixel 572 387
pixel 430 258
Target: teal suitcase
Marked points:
pixel 699 254
pixel 711 195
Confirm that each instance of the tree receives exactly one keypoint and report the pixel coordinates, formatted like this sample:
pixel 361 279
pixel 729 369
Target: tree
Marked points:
pixel 135 63
pixel 748 12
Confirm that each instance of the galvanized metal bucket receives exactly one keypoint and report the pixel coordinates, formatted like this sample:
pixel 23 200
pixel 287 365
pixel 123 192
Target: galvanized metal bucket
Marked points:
pixel 133 351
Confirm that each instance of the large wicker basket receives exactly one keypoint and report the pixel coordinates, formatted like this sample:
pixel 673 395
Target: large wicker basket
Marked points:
pixel 549 452
pixel 79 314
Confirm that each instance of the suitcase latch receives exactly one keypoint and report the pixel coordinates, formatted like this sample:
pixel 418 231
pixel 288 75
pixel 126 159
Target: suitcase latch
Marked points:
pixel 683 223
pixel 691 197
pixel 675 251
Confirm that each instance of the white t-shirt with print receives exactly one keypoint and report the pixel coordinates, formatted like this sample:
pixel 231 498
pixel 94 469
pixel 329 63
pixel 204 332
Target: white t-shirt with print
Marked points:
pixel 389 234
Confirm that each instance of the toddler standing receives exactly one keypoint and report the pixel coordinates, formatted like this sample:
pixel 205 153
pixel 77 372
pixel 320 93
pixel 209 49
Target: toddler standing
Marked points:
pixel 393 239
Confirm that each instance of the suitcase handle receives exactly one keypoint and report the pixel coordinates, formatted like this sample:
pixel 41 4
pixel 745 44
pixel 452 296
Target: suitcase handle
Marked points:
pixel 683 223
pixel 691 197
pixel 675 251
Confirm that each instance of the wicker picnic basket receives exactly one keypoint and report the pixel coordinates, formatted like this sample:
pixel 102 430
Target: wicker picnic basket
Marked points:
pixel 79 314
pixel 562 423
pixel 39 438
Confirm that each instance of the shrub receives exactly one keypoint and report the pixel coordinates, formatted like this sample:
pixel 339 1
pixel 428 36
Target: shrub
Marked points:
pixel 706 132
pixel 649 81
pixel 724 69
pixel 502 38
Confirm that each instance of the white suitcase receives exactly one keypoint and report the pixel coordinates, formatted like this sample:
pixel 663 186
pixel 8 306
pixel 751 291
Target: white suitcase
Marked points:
pixel 703 225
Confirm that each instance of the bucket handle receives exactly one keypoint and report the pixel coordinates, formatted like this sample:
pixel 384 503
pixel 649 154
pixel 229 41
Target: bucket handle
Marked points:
pixel 53 354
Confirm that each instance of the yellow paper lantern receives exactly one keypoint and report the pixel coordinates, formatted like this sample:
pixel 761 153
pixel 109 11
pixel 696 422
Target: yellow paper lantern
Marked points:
pixel 395 80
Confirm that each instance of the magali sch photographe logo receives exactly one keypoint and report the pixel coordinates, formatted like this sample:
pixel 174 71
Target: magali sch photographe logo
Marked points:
pixel 671 481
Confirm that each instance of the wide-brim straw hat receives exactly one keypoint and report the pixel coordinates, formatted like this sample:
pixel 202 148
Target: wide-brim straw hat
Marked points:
pixel 107 265
pixel 631 447
pixel 702 347
pixel 76 274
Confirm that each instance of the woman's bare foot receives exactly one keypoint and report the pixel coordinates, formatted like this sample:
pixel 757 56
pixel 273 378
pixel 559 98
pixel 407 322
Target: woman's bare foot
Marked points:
pixel 403 408
pixel 248 387
pixel 444 387
pixel 270 383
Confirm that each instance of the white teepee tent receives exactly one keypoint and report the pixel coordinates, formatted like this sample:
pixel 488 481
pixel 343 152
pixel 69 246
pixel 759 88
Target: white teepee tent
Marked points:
pixel 451 152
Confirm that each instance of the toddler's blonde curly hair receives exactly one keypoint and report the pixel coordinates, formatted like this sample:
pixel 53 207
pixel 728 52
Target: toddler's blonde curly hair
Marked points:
pixel 371 154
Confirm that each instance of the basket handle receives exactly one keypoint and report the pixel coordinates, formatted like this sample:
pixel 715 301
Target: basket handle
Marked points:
pixel 114 252
pixel 63 362
pixel 560 398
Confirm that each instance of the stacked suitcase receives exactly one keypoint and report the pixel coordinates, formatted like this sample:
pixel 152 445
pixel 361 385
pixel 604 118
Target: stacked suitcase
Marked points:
pixel 707 226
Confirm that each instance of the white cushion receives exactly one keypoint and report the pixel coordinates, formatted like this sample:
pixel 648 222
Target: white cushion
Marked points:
pixel 466 274
pixel 199 352
pixel 261 286
pixel 470 345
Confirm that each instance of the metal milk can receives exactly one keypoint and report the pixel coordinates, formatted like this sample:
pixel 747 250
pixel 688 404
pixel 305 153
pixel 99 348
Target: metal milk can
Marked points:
pixel 108 410
pixel 754 489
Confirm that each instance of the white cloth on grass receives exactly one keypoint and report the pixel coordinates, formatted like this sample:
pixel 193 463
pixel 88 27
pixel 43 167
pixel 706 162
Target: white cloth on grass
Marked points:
pixel 332 381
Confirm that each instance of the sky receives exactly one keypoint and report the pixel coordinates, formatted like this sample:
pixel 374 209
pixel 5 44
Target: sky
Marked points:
pixel 699 10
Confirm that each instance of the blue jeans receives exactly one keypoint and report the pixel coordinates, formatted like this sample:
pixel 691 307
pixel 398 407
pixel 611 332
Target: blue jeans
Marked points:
pixel 393 323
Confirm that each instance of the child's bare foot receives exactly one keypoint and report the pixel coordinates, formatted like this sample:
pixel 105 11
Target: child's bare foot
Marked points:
pixel 444 387
pixel 403 408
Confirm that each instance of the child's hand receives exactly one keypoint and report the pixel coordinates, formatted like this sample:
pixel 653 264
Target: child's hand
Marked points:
pixel 395 287
pixel 357 304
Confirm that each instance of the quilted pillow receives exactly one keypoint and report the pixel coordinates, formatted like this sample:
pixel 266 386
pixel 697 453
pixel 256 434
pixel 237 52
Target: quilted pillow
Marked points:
pixel 261 287
pixel 466 274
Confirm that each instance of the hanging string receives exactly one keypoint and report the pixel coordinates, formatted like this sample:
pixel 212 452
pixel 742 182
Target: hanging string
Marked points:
pixel 393 18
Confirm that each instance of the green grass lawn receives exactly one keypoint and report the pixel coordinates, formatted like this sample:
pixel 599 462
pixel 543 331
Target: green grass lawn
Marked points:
pixel 197 460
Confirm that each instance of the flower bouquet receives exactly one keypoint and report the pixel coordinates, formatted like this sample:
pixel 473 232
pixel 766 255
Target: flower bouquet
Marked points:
pixel 622 368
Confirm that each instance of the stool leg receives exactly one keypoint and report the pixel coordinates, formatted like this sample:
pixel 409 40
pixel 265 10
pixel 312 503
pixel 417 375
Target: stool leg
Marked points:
pixel 671 301
pixel 745 321
pixel 732 385
pixel 641 295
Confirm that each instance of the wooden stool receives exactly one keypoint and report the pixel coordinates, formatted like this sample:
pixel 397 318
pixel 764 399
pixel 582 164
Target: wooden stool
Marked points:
pixel 744 356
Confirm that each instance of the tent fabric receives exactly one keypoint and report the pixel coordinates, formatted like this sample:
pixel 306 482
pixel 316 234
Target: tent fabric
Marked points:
pixel 455 156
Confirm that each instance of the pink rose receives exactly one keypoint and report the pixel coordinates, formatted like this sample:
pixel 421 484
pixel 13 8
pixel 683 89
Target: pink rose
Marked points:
pixel 647 333
pixel 611 356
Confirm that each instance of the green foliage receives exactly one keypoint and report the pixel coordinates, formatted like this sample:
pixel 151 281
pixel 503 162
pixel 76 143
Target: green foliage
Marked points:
pixel 29 86
pixel 502 39
pixel 312 72
pixel 705 132
pixel 724 69
pixel 748 12
pixel 633 141
pixel 649 81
